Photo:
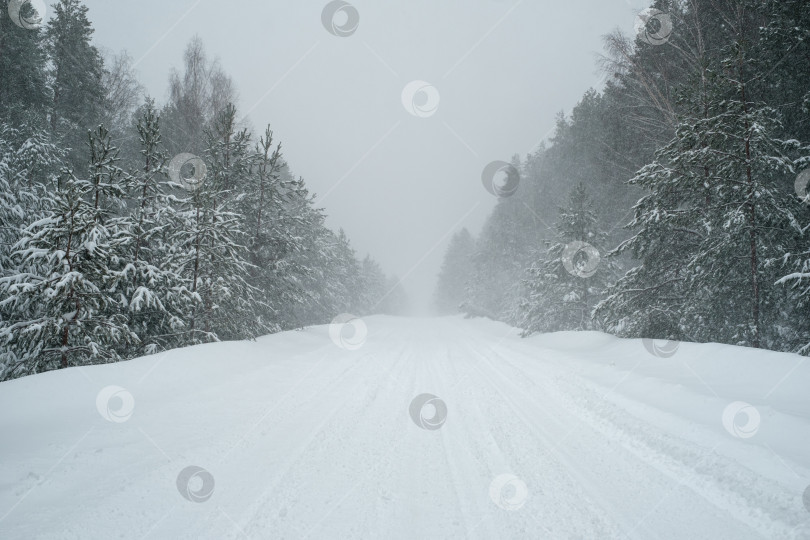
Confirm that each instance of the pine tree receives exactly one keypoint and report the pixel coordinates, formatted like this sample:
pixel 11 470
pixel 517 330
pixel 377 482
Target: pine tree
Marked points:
pixel 345 278
pixel 76 75
pixel 301 265
pixel 210 239
pixel 562 288
pixel 330 274
pixel 117 261
pixel 454 274
pixel 783 50
pixel 27 162
pixel 150 292
pixel 499 259
pixel 64 315
pixel 719 214
pixel 24 90
pixel 266 243
pixel 108 180
pixel 372 288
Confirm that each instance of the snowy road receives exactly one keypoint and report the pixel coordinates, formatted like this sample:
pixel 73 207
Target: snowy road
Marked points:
pixel 299 438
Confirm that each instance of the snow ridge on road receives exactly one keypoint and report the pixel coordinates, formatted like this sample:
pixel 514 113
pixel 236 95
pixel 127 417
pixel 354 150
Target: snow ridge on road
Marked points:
pixel 569 435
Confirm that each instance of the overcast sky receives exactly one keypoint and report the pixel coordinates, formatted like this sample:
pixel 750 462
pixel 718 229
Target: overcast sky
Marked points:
pixel 399 184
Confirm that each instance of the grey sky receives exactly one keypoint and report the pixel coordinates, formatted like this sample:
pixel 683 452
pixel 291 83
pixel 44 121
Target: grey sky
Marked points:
pixel 399 185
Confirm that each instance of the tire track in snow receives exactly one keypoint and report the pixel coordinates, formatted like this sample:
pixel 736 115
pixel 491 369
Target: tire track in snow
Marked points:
pixel 280 497
pixel 445 433
pixel 591 509
pixel 720 481
pixel 683 465
pixel 484 458
pixel 287 421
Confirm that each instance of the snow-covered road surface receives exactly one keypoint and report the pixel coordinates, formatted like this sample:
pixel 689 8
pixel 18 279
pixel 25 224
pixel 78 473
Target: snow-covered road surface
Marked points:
pixel 569 435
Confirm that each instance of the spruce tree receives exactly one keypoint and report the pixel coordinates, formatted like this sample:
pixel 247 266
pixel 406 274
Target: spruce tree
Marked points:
pixel 24 90
pixel 261 208
pixel 210 240
pixel 76 76
pixel 303 247
pixel 454 274
pixel 150 292
pixel 719 215
pixel 28 160
pixel 372 288
pixel 64 313
pixel 562 288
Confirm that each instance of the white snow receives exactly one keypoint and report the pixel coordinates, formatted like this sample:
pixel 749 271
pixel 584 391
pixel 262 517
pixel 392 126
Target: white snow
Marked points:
pixel 583 435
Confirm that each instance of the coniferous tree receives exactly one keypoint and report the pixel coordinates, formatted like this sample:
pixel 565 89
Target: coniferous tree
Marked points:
pixel 24 90
pixel 28 160
pixel 76 76
pixel 108 180
pixel 562 288
pixel 305 255
pixel 267 244
pixel 210 239
pixel 372 288
pixel 498 261
pixel 344 275
pixel 64 313
pixel 151 291
pixel 454 274
pixel 27 163
pixel 719 214
pixel 106 265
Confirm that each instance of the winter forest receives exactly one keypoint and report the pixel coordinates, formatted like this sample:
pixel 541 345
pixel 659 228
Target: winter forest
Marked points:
pixel 404 269
pixel 111 244
pixel 670 205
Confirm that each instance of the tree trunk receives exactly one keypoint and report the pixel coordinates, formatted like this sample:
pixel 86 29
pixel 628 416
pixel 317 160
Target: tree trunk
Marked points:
pixel 752 218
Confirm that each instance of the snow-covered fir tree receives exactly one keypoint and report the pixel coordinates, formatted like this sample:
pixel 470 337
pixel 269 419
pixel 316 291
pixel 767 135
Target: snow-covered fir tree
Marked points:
pixel 373 288
pixel 454 274
pixel 76 70
pixel 266 241
pixel 151 291
pixel 210 239
pixel 719 215
pixel 25 94
pixel 64 314
pixel 564 285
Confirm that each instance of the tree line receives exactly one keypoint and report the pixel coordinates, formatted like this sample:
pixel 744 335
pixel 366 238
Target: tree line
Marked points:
pixel 129 227
pixel 673 203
